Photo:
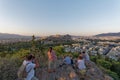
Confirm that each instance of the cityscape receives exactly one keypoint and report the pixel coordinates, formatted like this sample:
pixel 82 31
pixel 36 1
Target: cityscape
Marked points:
pixel 59 40
pixel 105 46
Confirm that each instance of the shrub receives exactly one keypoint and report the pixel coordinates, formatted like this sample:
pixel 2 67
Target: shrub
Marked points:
pixel 113 75
pixel 104 63
pixel 9 68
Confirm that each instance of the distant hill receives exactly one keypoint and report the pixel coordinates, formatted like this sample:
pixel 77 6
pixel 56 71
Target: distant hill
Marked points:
pixel 12 36
pixel 108 34
pixel 58 38
pixel 73 36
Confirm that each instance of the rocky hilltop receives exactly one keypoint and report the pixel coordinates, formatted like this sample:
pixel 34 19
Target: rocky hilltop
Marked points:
pixel 67 72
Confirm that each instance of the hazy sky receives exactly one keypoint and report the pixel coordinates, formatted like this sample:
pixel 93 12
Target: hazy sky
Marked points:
pixel 47 17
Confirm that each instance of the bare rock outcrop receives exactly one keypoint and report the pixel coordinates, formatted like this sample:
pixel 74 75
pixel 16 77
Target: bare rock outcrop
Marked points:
pixel 67 72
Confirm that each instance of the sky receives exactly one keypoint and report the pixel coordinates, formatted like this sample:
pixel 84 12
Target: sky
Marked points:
pixel 49 17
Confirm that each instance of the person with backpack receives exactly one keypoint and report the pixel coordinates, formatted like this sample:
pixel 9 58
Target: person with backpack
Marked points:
pixel 21 73
pixel 27 69
pixel 30 68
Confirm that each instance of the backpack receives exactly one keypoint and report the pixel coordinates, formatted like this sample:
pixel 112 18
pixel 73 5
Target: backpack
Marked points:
pixel 22 72
pixel 71 61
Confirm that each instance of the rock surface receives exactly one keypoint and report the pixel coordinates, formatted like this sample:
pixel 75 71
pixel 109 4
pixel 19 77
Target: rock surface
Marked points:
pixel 67 72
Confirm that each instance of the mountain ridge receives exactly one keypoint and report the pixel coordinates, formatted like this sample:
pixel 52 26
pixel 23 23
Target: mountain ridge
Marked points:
pixel 108 34
pixel 19 36
pixel 12 36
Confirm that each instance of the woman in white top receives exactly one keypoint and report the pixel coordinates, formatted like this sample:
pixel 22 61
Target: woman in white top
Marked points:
pixel 81 63
pixel 81 67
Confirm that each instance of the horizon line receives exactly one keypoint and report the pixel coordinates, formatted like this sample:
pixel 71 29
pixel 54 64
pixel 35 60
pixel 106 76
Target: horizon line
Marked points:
pixel 54 34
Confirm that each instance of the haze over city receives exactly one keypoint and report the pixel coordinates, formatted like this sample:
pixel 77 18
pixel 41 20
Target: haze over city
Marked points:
pixel 48 17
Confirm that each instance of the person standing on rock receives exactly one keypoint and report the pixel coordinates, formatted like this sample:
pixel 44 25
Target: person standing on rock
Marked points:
pixel 51 60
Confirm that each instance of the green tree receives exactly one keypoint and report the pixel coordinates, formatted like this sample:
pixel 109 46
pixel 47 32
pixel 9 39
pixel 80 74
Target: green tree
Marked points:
pixel 59 50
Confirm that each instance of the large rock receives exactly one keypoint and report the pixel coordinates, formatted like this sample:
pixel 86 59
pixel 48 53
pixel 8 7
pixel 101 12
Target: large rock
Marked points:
pixel 66 72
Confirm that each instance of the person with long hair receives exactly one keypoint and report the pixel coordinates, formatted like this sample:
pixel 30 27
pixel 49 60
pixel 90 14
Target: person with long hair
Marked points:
pixel 51 60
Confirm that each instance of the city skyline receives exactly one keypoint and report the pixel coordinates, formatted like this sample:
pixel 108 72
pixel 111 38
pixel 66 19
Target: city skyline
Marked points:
pixel 49 17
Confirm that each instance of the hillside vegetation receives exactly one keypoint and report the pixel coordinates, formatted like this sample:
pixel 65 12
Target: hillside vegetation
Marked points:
pixel 12 55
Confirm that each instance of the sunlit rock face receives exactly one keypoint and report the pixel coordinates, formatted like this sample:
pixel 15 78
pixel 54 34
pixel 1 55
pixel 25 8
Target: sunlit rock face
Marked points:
pixel 67 72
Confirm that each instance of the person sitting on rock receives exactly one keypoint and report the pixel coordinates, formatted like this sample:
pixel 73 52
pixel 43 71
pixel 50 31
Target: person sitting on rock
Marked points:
pixel 66 61
pixel 81 65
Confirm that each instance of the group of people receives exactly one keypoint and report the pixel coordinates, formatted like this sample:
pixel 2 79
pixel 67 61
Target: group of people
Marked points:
pixel 31 63
pixel 83 57
pixel 79 63
pixel 27 69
